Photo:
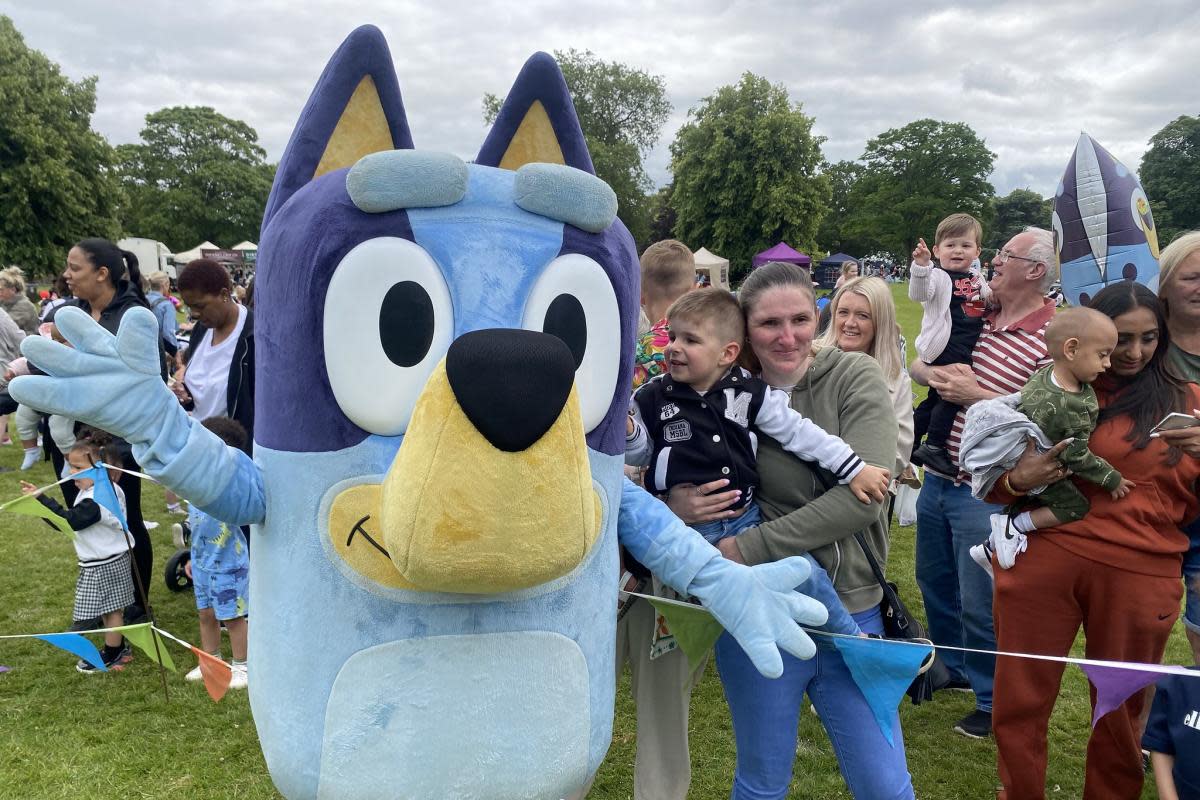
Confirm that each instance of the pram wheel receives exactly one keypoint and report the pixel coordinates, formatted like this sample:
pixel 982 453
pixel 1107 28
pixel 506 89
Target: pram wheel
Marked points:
pixel 176 578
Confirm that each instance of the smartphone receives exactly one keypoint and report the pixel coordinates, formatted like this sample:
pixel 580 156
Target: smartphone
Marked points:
pixel 1175 421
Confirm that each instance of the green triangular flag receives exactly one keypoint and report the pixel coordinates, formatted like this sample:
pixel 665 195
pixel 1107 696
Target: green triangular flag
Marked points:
pixel 28 505
pixel 140 635
pixel 693 626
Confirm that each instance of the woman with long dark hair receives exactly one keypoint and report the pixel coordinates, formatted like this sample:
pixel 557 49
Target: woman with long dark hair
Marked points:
pixel 1115 573
pixel 106 283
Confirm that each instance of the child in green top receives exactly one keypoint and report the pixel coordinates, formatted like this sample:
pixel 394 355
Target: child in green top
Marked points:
pixel 1060 401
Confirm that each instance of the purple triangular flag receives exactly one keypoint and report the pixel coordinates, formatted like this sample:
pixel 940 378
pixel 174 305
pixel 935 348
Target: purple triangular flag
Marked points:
pixel 1115 685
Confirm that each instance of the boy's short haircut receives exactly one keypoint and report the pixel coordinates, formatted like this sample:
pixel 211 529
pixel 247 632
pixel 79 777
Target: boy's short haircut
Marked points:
pixel 1073 323
pixel 714 306
pixel 958 225
pixel 668 269
pixel 229 430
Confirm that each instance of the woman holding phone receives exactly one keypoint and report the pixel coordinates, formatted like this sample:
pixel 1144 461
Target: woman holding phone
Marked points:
pixel 1115 572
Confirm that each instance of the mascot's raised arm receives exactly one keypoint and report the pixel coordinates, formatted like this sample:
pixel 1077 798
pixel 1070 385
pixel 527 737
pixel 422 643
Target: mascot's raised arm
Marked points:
pixel 443 368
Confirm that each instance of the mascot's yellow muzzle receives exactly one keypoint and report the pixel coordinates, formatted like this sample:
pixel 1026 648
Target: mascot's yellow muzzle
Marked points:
pixel 491 490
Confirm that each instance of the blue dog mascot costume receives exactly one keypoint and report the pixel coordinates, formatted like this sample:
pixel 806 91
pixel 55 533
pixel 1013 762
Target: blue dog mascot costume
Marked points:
pixel 444 356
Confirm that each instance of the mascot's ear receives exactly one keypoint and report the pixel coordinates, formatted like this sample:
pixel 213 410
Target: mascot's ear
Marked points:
pixel 537 122
pixel 354 110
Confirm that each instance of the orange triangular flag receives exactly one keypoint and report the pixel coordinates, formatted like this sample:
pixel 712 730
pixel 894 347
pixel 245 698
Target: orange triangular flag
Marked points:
pixel 216 674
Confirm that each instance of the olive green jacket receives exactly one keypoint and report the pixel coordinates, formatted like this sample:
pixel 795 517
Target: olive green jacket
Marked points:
pixel 846 394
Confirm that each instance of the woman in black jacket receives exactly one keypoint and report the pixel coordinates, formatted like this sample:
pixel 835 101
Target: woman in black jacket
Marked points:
pixel 106 283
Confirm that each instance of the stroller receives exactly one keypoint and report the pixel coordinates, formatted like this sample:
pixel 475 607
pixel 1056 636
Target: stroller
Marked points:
pixel 175 575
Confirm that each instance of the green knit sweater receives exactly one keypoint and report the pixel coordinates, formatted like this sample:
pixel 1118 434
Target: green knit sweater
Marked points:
pixel 846 394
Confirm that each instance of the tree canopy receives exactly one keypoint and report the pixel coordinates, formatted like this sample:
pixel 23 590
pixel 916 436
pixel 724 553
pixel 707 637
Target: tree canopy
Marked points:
pixel 913 177
pixel 196 175
pixel 747 173
pixel 622 111
pixel 1170 175
pixel 1014 212
pixel 56 179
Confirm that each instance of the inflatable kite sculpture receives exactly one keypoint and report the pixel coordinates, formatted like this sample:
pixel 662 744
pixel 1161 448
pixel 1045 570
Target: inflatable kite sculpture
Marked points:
pixel 443 370
pixel 1103 229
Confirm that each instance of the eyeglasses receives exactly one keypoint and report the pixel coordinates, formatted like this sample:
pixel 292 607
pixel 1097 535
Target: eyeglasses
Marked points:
pixel 1002 257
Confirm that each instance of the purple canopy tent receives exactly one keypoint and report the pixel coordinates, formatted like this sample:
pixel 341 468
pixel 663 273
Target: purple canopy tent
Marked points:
pixel 782 252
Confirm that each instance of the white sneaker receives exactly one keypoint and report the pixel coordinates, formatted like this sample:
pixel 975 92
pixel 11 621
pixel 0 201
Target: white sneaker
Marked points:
pixel 981 554
pixel 177 535
pixel 1007 541
pixel 240 677
pixel 150 524
pixel 194 675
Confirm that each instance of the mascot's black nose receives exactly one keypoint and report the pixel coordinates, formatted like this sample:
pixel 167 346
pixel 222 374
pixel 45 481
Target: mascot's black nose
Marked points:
pixel 512 384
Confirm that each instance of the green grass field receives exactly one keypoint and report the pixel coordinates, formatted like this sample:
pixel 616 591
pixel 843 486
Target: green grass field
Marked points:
pixel 66 735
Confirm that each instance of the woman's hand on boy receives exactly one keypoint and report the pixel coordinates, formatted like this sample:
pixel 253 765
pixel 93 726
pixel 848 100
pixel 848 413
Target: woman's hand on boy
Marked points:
pixel 1038 469
pixel 703 503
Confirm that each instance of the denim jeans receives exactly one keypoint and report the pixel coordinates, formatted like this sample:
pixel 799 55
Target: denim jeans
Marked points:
pixel 818 586
pixel 1191 577
pixel 765 713
pixel 956 590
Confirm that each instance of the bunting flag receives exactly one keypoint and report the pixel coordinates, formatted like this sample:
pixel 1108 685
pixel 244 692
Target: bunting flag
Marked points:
pixel 149 643
pixel 883 674
pixel 1116 682
pixel 103 492
pixel 77 645
pixel 215 672
pixel 694 628
pixel 28 505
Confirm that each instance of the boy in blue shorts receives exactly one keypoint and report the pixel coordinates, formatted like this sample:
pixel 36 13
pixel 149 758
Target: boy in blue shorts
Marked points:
pixel 220 570
pixel 700 422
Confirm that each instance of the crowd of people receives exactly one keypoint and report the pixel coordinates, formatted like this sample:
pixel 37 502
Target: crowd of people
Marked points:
pixel 799 424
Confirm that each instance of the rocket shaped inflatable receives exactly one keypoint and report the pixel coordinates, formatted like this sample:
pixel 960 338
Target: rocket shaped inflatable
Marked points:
pixel 1103 229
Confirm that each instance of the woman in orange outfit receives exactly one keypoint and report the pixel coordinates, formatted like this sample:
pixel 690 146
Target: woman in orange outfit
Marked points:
pixel 1115 572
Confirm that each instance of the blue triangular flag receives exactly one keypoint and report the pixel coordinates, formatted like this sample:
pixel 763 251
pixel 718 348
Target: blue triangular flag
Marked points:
pixel 76 644
pixel 883 670
pixel 103 492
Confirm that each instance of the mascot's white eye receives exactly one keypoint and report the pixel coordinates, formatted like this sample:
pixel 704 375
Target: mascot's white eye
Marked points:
pixel 388 321
pixel 574 300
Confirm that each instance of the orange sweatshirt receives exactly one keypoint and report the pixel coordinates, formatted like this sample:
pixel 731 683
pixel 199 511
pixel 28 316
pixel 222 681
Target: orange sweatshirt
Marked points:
pixel 1140 532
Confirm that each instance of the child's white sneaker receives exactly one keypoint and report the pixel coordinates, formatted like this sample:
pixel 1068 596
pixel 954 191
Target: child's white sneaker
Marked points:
pixel 32 456
pixel 981 554
pixel 194 675
pixel 241 677
pixel 1007 541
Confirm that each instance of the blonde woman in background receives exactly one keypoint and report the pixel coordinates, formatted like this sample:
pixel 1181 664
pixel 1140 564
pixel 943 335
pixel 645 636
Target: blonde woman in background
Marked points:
pixel 862 319
pixel 14 301
pixel 849 273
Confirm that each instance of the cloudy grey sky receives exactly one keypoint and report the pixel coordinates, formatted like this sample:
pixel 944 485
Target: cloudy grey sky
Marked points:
pixel 1028 77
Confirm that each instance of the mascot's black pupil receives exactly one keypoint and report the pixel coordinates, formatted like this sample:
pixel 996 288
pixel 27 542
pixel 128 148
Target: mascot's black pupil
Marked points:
pixel 566 320
pixel 406 323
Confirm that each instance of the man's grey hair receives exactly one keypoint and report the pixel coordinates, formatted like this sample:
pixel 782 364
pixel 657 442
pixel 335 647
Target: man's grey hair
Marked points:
pixel 1042 250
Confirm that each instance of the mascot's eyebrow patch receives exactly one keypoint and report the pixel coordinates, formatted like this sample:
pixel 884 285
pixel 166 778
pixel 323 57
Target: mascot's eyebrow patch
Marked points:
pixel 565 194
pixel 396 179
pixel 358 528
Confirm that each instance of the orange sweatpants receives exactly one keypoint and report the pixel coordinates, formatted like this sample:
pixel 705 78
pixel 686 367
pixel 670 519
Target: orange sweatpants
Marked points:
pixel 1038 607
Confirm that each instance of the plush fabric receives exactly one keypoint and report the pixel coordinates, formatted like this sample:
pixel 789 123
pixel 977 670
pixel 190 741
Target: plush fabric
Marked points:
pixel 567 195
pixel 406 179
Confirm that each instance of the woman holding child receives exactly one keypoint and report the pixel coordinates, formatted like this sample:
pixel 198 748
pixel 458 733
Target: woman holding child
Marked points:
pixel 845 393
pixel 1115 572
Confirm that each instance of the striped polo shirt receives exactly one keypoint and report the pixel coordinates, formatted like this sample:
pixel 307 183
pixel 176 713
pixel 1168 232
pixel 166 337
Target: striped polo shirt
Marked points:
pixel 1005 358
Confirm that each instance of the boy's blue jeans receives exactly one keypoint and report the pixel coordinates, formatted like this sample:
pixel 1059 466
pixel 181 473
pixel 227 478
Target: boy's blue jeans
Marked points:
pixel 765 712
pixel 818 586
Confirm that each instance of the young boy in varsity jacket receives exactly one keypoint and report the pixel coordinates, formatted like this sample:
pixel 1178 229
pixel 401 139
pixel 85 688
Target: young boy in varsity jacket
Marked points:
pixel 698 423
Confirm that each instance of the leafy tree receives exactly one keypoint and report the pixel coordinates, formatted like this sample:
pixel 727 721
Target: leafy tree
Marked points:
pixel 56 180
pixel 622 111
pixel 834 233
pixel 196 175
pixel 662 216
pixel 915 176
pixel 1013 212
pixel 1170 175
pixel 747 173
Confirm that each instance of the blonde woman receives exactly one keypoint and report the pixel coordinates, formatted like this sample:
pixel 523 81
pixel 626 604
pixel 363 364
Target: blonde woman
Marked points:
pixel 849 273
pixel 14 301
pixel 862 319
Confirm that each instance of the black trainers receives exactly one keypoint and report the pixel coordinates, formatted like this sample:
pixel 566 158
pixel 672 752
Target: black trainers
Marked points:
pixel 958 686
pixel 114 664
pixel 936 459
pixel 135 615
pixel 976 725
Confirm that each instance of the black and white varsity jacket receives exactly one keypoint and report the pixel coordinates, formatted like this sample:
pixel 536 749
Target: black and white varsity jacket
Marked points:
pixel 686 437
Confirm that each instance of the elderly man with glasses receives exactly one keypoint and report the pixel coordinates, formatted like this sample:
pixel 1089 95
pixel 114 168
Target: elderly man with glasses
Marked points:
pixel 957 593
